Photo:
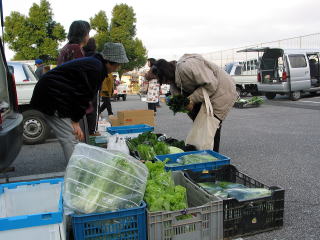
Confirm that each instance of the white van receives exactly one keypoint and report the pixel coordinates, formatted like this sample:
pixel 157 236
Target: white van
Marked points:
pixel 288 71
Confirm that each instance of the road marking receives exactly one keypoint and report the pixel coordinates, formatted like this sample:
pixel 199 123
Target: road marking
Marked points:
pixel 309 102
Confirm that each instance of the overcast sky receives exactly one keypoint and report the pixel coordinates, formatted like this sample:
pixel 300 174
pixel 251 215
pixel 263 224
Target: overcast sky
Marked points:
pixel 170 28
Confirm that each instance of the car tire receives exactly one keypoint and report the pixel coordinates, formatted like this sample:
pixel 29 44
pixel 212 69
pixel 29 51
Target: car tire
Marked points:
pixel 270 95
pixel 294 96
pixel 124 97
pixel 35 128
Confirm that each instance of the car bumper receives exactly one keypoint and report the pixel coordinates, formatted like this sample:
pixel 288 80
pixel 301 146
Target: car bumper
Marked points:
pixel 10 139
pixel 276 88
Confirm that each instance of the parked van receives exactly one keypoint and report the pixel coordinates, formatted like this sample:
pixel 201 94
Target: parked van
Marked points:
pixel 288 71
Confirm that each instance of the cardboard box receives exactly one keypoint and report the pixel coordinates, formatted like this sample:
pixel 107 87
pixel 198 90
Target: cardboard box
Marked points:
pixel 114 120
pixel 132 117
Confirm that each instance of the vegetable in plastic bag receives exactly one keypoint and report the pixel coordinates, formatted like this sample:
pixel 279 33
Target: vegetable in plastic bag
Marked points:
pixel 98 180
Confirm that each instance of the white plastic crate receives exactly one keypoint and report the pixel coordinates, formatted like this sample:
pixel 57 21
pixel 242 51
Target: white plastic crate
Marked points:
pixel 32 210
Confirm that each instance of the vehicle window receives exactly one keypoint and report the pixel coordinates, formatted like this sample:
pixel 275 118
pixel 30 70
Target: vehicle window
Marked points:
pixel 29 73
pixel 228 68
pixel 4 94
pixel 19 74
pixel 11 69
pixel 237 72
pixel 297 61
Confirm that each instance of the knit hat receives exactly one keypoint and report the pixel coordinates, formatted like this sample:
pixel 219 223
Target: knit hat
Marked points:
pixel 114 52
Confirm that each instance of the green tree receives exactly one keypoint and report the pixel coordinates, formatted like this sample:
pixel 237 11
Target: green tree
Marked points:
pixel 36 35
pixel 123 30
pixel 100 24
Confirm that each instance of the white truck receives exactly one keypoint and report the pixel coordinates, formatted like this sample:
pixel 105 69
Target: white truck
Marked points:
pixel 245 75
pixel 35 129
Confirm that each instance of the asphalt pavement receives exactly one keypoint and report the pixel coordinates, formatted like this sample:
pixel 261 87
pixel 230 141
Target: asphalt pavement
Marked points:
pixel 277 144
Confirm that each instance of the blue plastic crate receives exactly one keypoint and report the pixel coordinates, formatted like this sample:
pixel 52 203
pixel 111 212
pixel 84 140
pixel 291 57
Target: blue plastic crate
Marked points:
pixel 123 224
pixel 222 160
pixel 140 128
pixel 39 219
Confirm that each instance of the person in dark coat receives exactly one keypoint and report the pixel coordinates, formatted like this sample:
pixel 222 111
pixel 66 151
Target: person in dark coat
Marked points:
pixel 90 50
pixel 63 94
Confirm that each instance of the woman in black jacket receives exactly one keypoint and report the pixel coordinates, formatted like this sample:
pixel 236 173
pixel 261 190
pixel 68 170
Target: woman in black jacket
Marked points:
pixel 63 94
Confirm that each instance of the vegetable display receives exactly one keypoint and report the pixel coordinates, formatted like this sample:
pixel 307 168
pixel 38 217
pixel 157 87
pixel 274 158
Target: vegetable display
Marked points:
pixel 192 159
pixel 253 100
pixel 178 103
pixel 240 192
pixel 98 180
pixel 148 146
pixel 161 192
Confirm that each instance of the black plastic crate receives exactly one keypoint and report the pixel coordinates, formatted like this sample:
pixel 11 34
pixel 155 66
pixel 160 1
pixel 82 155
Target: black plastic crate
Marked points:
pixel 242 218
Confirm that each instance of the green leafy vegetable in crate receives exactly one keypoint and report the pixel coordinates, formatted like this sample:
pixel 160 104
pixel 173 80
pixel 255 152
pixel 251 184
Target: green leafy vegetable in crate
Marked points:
pixel 146 152
pixel 178 103
pixel 161 192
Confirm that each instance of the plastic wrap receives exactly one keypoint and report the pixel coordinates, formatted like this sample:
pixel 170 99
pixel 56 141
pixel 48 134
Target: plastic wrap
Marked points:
pixel 99 180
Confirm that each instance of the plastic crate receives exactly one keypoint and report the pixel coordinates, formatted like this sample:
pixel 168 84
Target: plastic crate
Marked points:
pixel 122 224
pixel 242 218
pixel 140 128
pixel 32 210
pixel 206 221
pixel 222 160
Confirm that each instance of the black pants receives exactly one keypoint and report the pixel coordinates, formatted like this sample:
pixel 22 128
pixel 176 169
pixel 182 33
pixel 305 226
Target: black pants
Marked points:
pixel 152 106
pixel 92 117
pixel 106 105
pixel 193 114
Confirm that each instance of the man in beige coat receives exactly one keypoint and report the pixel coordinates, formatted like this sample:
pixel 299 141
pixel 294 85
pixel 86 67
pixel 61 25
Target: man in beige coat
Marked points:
pixel 192 73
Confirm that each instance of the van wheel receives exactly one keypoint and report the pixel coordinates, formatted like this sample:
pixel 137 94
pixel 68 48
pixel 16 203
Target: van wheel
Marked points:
pixel 295 95
pixel 35 129
pixel 270 95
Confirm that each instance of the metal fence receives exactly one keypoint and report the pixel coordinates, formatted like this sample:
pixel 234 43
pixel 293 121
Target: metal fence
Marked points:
pixel 223 57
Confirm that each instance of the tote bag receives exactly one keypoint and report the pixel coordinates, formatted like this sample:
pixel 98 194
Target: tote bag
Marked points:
pixel 204 126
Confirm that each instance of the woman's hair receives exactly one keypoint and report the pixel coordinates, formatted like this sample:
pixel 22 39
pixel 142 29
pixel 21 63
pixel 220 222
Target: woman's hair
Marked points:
pixel 151 61
pixel 91 47
pixel 77 31
pixel 165 71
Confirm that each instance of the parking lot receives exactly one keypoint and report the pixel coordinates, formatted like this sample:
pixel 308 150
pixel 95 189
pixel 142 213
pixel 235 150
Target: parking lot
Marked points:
pixel 277 143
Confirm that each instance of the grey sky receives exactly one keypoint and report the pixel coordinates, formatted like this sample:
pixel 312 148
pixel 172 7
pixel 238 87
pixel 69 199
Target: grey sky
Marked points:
pixel 169 29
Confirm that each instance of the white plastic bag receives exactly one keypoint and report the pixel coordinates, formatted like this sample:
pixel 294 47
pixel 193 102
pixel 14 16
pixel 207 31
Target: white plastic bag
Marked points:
pixel 118 143
pixel 204 126
pixel 98 180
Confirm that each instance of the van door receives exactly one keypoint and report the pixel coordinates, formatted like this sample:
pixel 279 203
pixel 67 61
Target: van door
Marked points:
pixel 299 72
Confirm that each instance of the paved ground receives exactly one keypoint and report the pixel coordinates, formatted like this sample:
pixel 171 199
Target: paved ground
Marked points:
pixel 278 144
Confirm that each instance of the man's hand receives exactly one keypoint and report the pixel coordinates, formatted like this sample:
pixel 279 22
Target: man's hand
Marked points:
pixel 190 106
pixel 77 131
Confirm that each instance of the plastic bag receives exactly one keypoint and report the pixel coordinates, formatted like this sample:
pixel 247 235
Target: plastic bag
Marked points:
pixel 118 143
pixel 98 180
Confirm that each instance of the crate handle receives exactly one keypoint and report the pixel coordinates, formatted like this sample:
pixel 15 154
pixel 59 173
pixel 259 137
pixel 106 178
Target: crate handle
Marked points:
pixel 195 217
pixel 46 216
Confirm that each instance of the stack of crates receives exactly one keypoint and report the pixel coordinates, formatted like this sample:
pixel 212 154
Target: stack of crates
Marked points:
pixel 240 218
pixel 32 210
